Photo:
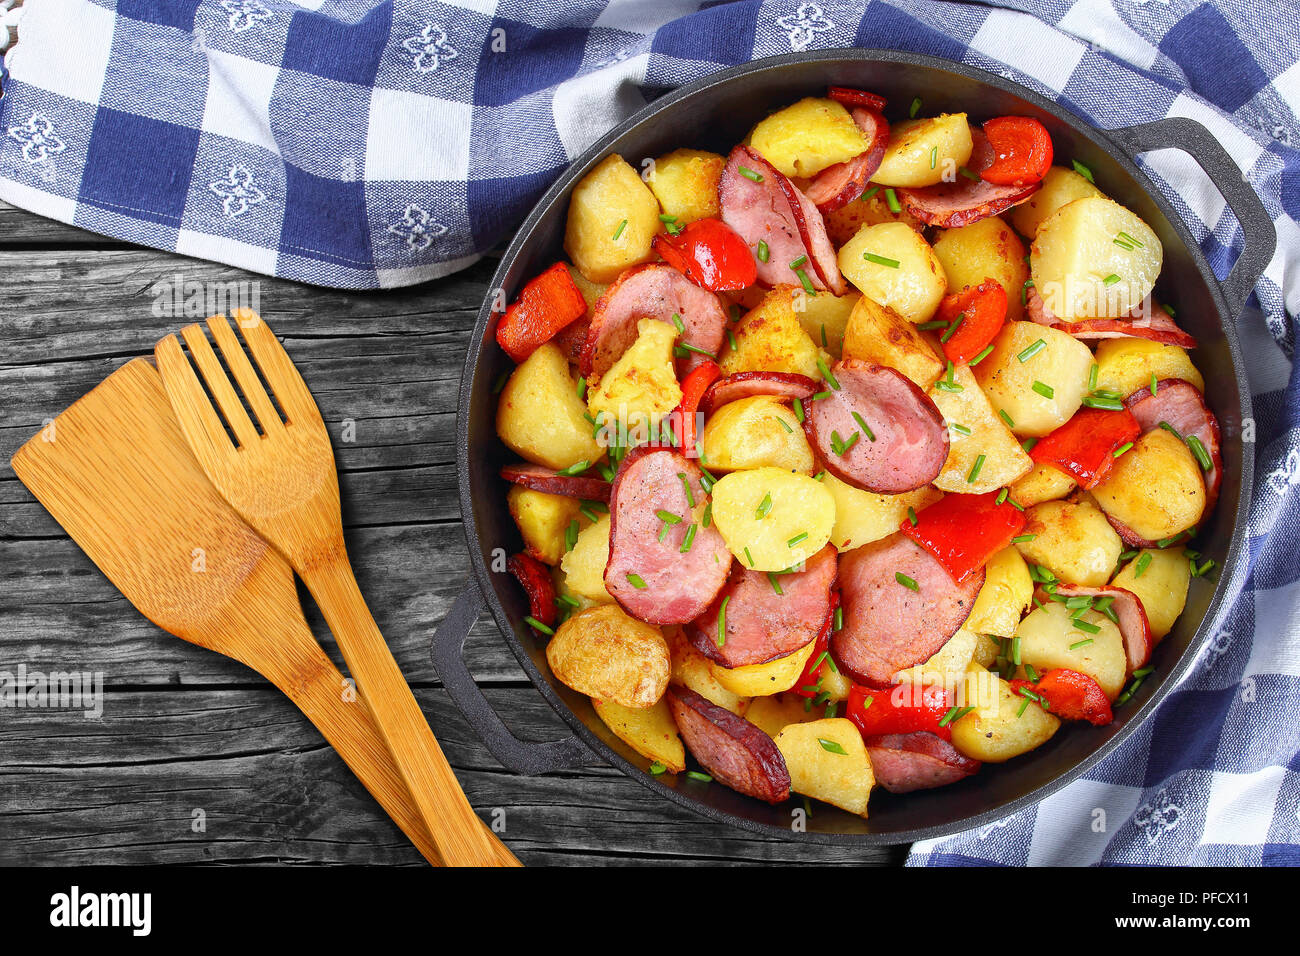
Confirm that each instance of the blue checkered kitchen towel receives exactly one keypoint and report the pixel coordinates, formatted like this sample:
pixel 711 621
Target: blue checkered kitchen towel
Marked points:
pixel 365 144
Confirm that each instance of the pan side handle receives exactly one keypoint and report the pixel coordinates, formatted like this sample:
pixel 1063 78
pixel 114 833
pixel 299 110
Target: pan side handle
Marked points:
pixel 521 756
pixel 1179 132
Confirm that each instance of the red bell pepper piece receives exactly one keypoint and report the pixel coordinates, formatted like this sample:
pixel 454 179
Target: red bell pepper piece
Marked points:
pixel 547 304
pixel 806 686
pixel 964 531
pixel 693 389
pixel 1023 148
pixel 537 583
pixel 901 709
pixel 851 97
pixel 710 254
pixel 1070 695
pixel 982 310
pixel 1084 447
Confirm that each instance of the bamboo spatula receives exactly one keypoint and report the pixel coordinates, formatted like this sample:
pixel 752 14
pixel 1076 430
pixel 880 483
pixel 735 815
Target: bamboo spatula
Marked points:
pixel 282 480
pixel 115 472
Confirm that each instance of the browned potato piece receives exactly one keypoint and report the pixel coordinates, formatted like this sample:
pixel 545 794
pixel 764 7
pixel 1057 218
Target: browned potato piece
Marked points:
pixel 904 273
pixel 977 436
pixel 1051 637
pixel 543 520
pixel 610 200
pixel 770 338
pixel 1008 590
pixel 828 761
pixel 650 731
pixel 1124 365
pixel 760 680
pixel 1161 585
pixel 1072 540
pixel 1060 366
pixel 755 432
pixel 808 136
pixel 881 336
pixel 864 516
pixel 541 417
pixel 921 151
pixel 1043 483
pixel 870 208
pixel 987 249
pixel 604 653
pixel 1010 726
pixel 685 182
pixel 773 714
pixel 1060 186
pixel 1156 487
pixel 825 318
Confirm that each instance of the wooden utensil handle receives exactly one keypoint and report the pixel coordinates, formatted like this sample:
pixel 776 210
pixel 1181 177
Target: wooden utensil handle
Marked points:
pixel 348 727
pixel 454 826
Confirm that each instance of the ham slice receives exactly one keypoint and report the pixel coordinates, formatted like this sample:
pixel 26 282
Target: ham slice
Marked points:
pixel 730 748
pixel 761 624
pixel 1179 404
pixel 889 627
pixel 839 185
pixel 655 291
pixel 916 761
pixel 965 200
pixel 653 578
pixel 541 478
pixel 774 211
pixel 1145 322
pixel 738 385
pixel 1132 616
pixel 908 441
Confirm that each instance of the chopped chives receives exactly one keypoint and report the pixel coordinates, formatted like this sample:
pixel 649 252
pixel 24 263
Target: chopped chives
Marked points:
pixel 538 625
pixel 1023 538
pixel 707 518
pixel 947 385
pixel 1092 376
pixel 731 340
pixel 805 282
pixel 636 580
pixel 1110 279
pixel 1024 291
pixel 1002 413
pixel 838 625
pixel 1015 651
pixel 619 231
pixel 892 199
pixel 975 470
pixel 687 347
pixel 831 746
pixel 831 380
pixel 1169 309
pixel 984 353
pixel 959 428
pixel 1106 404
pixel 1002 496
pixel 1199 451
pixel 798 409
pixel 762 251
pixel 1031 351
pixel 749 557
pixel 968 174
pixel 764 507
pixel 881 260
pixel 776 585
pixel 911 515
pixel 1155 386
pixel 798 262
pixel 934 156
pixel 588 512
pixel 1083 643
pixel 569 600
pixel 821 395
pixel 1023 705
pixel 869 193
pixel 686 484
pixel 1122 448
pixel 576 468
pixel 1143 562
pixel 914 108
pixel 1086 627
pixel 1044 390
pixel 1083 171
pixel 784 424
pixel 905 581
pixel 722 620
pixel 871 436
pixel 689 539
pixel 952 328
pixel 932 325
pixel 667 517
pixel 1131 240
pixel 750 174
pixel 582 387
pixel 656 769
pixel 801 536
pixel 677 321
pixel 946 719
pixel 702 777
pixel 571 535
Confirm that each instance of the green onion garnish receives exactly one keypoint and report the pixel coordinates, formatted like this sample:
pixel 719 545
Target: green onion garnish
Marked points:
pixel 636 580
pixel 1031 351
pixel 1044 390
pixel 686 484
pixel 975 470
pixel 831 746
pixel 805 282
pixel 764 507
pixel 1083 171
pixel 722 620
pixel 1023 538
pixel 749 558
pixel 1083 643
pixel 1122 448
pixel 619 231
pixel 656 769
pixel 1092 376
pixel 881 260
pixel 934 156
pixel 571 535
pixel 1199 451
pixel 667 517
pixel 1086 627
pixel 798 409
pixel 1106 404
pixel 801 536
pixel 959 428
pixel 776 585
pixel 762 251
pixel 1143 562
pixel 576 468
pixel 538 625
pixel 750 174
pixel 677 321
pixel 1002 413
pixel 892 199
pixel 911 515
pixel 1110 279
pixel 689 539
pixel 914 108
pixel 866 430
pixel 1002 496
pixel 907 582
pixel 952 328
pixel 702 777
pixel 831 380
pixel 984 353
pixel 869 193
pixel 798 262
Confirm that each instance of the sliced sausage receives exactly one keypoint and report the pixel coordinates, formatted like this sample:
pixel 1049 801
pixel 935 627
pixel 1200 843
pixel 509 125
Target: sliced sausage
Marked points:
pixel 916 761
pixel 535 578
pixel 1144 322
pixel 654 291
pixel 1130 614
pixel 762 205
pixel 541 478
pixel 649 574
pixel 888 626
pixel 842 183
pixel 1179 404
pixel 730 748
pixel 761 623
pixel 965 200
pixel 904 443
pixel 739 385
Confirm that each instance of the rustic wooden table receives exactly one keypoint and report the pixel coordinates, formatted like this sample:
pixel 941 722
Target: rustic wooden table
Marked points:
pixel 187 735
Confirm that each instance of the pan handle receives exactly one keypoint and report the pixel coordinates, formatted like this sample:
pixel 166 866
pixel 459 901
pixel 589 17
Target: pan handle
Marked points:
pixel 527 757
pixel 1179 132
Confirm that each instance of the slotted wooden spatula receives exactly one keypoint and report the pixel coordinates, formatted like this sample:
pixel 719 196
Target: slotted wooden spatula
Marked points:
pixel 282 481
pixel 115 472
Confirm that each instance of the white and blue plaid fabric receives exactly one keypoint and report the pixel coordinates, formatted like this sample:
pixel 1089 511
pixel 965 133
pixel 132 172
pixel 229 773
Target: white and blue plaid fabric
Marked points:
pixel 367 144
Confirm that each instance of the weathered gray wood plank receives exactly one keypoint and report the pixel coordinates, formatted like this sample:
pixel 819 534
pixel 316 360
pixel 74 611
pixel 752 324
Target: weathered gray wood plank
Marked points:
pixel 21 228
pixel 125 789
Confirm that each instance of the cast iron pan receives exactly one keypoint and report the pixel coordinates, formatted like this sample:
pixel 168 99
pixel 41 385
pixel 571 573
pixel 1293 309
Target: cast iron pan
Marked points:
pixel 715 113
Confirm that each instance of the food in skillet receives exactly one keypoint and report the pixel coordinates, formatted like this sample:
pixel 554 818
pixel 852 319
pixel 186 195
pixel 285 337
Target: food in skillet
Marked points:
pixel 855 458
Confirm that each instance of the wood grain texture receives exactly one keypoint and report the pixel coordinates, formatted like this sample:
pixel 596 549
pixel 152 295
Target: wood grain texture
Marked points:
pixel 184 729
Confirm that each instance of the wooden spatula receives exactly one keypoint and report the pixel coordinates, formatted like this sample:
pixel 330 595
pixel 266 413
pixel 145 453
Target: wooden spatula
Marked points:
pixel 115 472
pixel 282 481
